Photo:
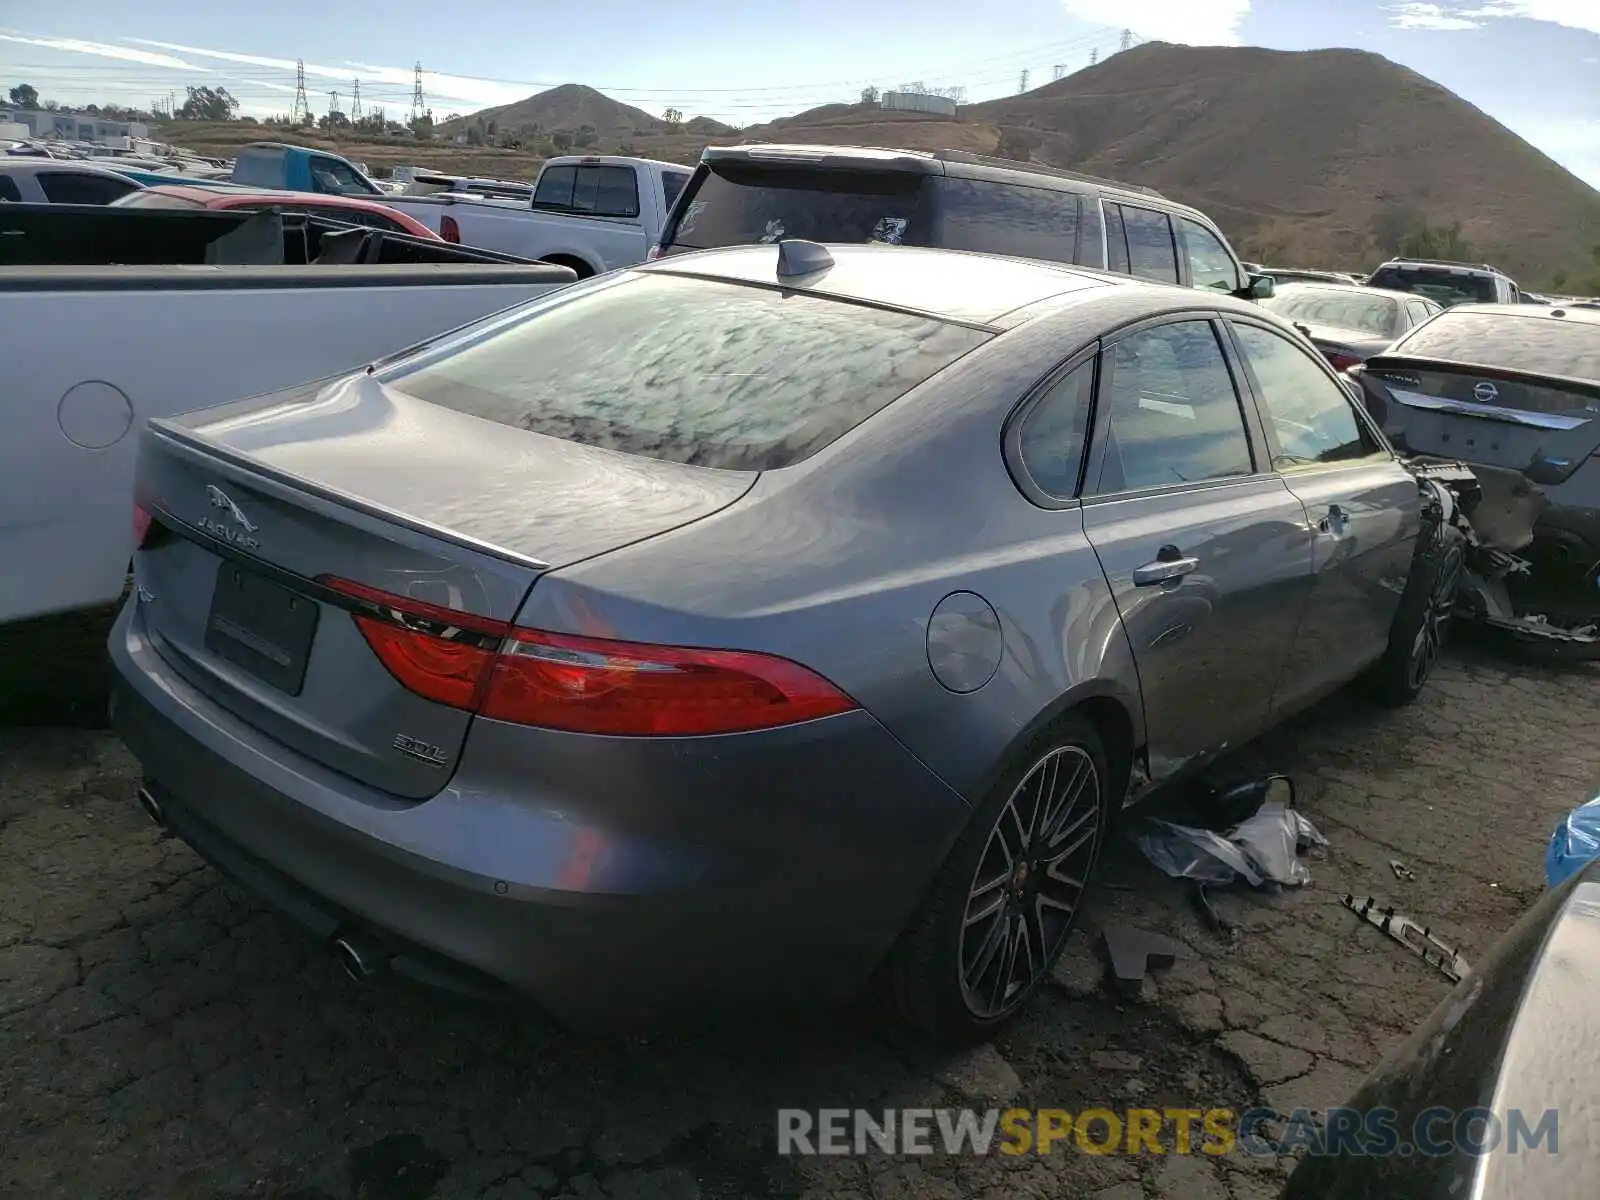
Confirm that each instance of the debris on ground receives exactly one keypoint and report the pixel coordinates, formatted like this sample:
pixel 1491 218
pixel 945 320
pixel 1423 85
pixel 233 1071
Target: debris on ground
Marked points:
pixel 1408 933
pixel 1401 871
pixel 1134 953
pixel 1575 843
pixel 1262 848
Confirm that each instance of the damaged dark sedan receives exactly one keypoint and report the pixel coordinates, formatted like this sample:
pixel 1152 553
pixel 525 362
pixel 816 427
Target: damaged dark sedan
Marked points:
pixel 1514 392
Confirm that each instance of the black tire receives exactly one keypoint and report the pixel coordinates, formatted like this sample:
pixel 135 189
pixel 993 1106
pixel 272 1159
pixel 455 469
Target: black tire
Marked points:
pixel 1422 621
pixel 933 974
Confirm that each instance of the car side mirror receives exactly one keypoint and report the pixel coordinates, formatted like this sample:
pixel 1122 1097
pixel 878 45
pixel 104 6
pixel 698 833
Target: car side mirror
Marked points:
pixel 1263 287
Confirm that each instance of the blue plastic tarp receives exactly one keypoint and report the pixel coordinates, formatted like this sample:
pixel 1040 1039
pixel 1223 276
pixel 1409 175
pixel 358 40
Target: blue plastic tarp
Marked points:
pixel 1575 843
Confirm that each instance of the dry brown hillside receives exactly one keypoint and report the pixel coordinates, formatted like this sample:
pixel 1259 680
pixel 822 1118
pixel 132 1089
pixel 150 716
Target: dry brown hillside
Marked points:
pixel 570 106
pixel 1335 152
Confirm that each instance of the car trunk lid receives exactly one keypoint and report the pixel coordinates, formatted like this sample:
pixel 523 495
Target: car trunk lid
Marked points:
pixel 1484 415
pixel 280 522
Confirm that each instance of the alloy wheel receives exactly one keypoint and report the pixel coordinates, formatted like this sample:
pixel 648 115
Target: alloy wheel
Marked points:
pixel 1025 891
pixel 1429 641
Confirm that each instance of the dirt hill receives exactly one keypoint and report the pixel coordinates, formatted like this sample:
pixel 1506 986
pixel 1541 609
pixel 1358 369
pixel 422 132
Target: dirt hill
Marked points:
pixel 1327 156
pixel 572 106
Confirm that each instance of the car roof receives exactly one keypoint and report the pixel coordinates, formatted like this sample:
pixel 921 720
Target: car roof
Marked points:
pixel 944 162
pixel 1345 289
pixel 28 164
pixel 989 290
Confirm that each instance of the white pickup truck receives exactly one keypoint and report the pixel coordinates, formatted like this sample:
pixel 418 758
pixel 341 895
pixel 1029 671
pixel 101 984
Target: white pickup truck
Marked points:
pixel 593 213
pixel 206 313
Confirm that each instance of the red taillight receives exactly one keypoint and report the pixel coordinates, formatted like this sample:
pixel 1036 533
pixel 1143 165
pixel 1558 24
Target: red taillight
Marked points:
pixel 141 525
pixel 1342 362
pixel 584 685
pixel 449 230
pixel 595 685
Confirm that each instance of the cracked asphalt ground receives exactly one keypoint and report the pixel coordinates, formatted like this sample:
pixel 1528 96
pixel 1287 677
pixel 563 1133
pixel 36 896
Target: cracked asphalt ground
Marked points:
pixel 161 1034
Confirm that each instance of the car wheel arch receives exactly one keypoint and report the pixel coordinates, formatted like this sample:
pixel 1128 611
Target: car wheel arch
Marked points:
pixel 1114 716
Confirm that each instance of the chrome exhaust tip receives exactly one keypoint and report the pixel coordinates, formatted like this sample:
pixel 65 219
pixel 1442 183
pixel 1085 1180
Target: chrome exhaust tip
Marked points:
pixel 152 807
pixel 357 957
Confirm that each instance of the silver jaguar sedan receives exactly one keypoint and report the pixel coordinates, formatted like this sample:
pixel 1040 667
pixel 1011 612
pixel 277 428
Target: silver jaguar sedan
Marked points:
pixel 754 623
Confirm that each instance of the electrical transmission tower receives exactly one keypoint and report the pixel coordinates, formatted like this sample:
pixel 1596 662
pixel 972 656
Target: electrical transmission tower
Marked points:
pixel 1094 56
pixel 1057 71
pixel 1022 86
pixel 355 103
pixel 418 104
pixel 1127 40
pixel 333 107
pixel 302 107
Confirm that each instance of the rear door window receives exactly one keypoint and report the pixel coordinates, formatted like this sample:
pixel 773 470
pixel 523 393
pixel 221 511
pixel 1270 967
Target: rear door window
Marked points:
pixel 672 186
pixel 1172 413
pixel 694 371
pixel 1210 264
pixel 1151 253
pixel 79 187
pixel 738 205
pixel 1004 218
pixel 1310 413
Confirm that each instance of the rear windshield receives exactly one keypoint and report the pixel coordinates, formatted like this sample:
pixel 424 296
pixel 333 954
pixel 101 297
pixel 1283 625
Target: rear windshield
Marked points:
pixel 1338 307
pixel 1537 343
pixel 738 205
pixel 693 371
pixel 1438 284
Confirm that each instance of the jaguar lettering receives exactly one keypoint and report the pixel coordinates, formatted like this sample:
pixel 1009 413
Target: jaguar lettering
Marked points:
pixel 236 530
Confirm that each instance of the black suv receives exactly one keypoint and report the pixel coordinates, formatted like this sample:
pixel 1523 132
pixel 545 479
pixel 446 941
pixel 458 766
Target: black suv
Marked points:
pixel 747 194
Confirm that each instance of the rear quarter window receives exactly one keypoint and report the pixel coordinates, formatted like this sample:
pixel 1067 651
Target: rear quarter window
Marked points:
pixel 692 371
pixel 1005 218
pixel 9 189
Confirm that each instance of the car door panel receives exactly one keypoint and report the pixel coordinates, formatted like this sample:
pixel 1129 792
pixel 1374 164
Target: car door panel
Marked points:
pixel 1208 557
pixel 1363 510
pixel 1208 644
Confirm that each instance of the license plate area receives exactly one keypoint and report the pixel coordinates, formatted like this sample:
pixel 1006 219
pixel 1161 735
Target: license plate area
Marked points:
pixel 261 627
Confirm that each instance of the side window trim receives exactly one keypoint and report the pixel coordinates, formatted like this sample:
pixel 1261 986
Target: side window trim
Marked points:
pixel 1247 380
pixel 1094 460
pixel 1017 420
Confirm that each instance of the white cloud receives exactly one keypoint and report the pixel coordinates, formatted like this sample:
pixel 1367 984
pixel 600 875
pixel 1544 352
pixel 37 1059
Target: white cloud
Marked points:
pixel 1188 22
pixel 1474 14
pixel 102 50
pixel 463 88
pixel 1430 16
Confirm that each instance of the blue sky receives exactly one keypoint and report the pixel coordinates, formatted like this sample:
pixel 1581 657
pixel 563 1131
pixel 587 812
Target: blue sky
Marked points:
pixel 1532 64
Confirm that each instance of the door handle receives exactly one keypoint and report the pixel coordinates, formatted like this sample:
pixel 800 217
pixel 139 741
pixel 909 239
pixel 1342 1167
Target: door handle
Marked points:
pixel 1170 564
pixel 1336 520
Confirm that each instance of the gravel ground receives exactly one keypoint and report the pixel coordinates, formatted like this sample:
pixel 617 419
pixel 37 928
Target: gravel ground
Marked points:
pixel 163 1035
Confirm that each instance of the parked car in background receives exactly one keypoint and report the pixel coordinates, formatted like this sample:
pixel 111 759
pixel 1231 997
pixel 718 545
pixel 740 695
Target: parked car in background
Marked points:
pixel 1535 298
pixel 1446 282
pixel 543 709
pixel 33 180
pixel 953 200
pixel 258 318
pixel 1349 324
pixel 1515 393
pixel 590 213
pixel 1282 275
pixel 355 210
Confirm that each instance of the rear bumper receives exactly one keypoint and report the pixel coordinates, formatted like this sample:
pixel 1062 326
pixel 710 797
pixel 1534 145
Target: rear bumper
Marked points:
pixel 606 878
